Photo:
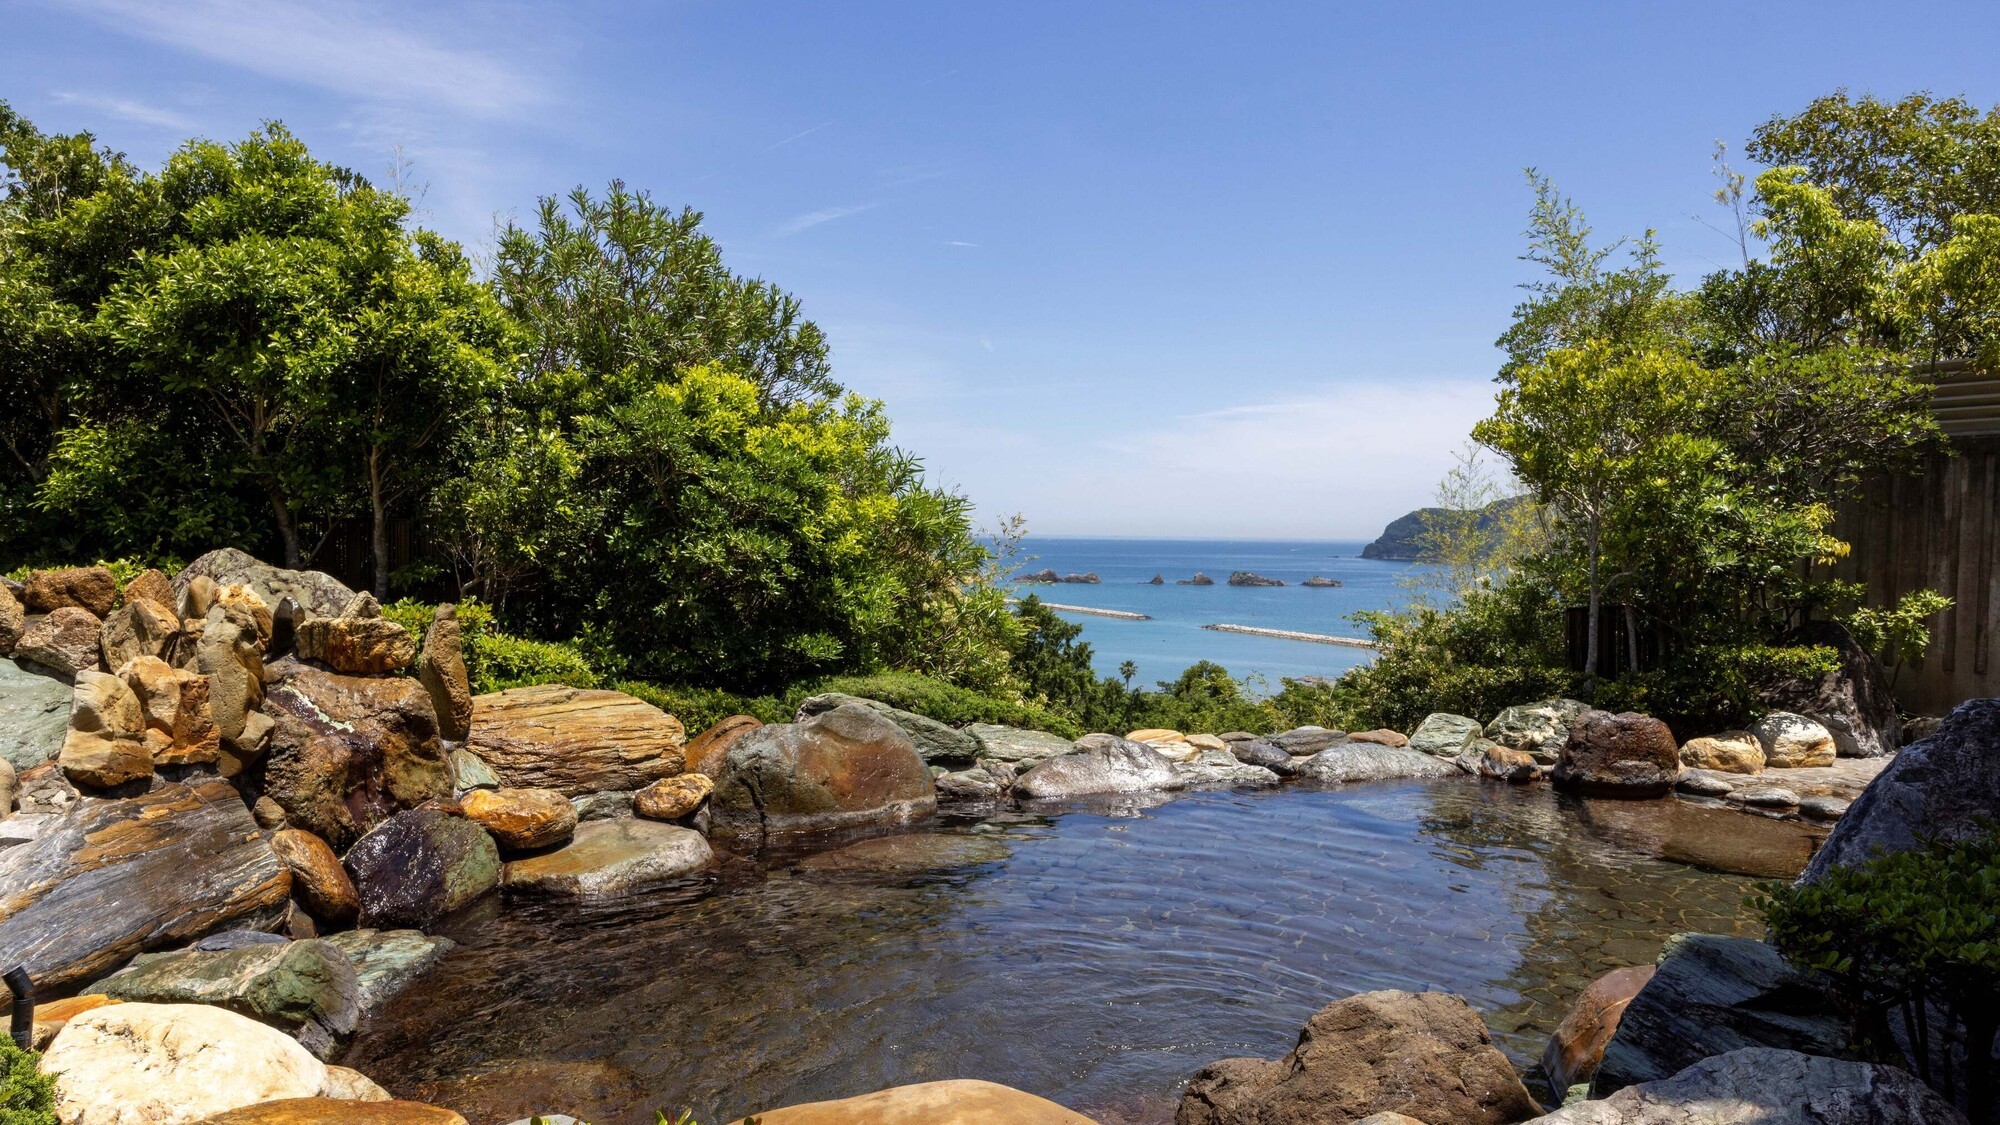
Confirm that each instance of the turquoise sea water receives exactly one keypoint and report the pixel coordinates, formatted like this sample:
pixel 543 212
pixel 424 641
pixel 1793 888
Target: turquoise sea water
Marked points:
pixel 1174 638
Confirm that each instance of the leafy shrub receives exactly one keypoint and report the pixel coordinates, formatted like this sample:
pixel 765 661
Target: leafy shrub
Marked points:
pixel 496 661
pixel 1204 699
pixel 27 1096
pixel 936 699
pixel 701 708
pixel 1499 646
pixel 1906 935
pixel 1310 703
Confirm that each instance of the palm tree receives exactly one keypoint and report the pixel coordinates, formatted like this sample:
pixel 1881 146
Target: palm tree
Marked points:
pixel 1126 671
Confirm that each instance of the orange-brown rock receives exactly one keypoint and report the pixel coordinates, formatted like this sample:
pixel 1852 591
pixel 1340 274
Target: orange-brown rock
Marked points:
pixel 845 768
pixel 50 1017
pixel 228 650
pixel 522 820
pixel 153 585
pixel 319 882
pixel 1156 734
pixel 954 1102
pixel 244 597
pixel 1736 751
pixel 1577 1046
pixel 1504 764
pixel 335 1111
pixel 672 798
pixel 442 670
pixel 89 588
pixel 1622 755
pixel 180 729
pixel 349 751
pixel 66 641
pixel 114 878
pixel 105 745
pixel 575 741
pixel 359 646
pixel 707 749
pixel 1381 736
pixel 13 621
pixel 141 627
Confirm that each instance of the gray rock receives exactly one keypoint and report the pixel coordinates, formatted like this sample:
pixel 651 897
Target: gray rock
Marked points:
pixel 845 768
pixel 1768 1086
pixel 237 939
pixel 306 989
pixel 1214 768
pixel 969 787
pixel 1101 763
pixel 323 594
pixel 1538 728
pixel 1011 744
pixel 1944 786
pixel 1262 752
pixel 34 715
pixel 1707 783
pixel 1713 994
pixel 469 771
pixel 23 827
pixel 1767 797
pixel 607 858
pixel 1445 735
pixel 1823 808
pixel 1302 742
pixel 1369 761
pixel 1852 701
pixel 420 865
pixel 388 961
pixel 608 805
pixel 936 743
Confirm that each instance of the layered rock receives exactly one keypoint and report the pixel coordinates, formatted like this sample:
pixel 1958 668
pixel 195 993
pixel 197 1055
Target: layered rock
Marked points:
pixel 1622 755
pixel 1793 741
pixel 1946 787
pixel 1366 761
pixel 441 668
pixel 1578 1043
pixel 574 740
pixel 1425 1054
pixel 1540 728
pixel 173 1064
pixel 34 715
pixel 13 621
pixel 1765 1086
pixel 952 1102
pixel 306 989
pixel 1736 751
pixel 319 882
pixel 521 820
pixel 337 1111
pixel 66 642
pixel 1100 764
pixel 105 746
pixel 673 798
pixel 1012 744
pixel 1712 994
pixel 1381 736
pixel 179 724
pixel 1301 742
pixel 1445 735
pixel 418 866
pixel 936 743
pixel 89 588
pixel 348 751
pixel 230 652
pixel 846 768
pixel 114 878
pixel 319 593
pixel 612 857
pixel 706 751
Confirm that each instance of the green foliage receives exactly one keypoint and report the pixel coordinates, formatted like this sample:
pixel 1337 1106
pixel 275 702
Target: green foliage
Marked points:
pixel 1907 934
pixel 701 708
pixel 495 660
pixel 1497 646
pixel 1203 699
pixel 1898 634
pixel 27 1096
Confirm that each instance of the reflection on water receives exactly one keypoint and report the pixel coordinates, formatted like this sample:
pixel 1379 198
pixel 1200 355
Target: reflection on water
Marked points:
pixel 1096 958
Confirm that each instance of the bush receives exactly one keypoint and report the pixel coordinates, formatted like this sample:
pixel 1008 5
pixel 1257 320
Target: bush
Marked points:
pixel 935 699
pixel 701 708
pixel 27 1096
pixel 1906 935
pixel 496 661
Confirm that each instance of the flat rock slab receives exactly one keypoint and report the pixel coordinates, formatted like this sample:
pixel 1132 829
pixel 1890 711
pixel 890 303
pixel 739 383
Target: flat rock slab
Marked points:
pixel 34 716
pixel 1012 744
pixel 306 989
pixel 954 1102
pixel 1710 836
pixel 336 1111
pixel 1367 761
pixel 1765 1086
pixel 575 741
pixel 388 961
pixel 612 857
pixel 115 878
pixel 909 853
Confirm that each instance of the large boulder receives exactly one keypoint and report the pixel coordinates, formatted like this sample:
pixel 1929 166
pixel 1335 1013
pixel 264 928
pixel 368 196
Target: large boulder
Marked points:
pixel 13 621
pixel 89 588
pixel 1852 701
pixel 418 866
pixel 441 668
pixel 1540 728
pixel 612 857
pixel 141 627
pixel 522 820
pixel 1712 994
pixel 151 585
pixel 1425 1054
pixel 1577 1046
pixel 954 1102
pixel 348 751
pixel 1622 755
pixel 319 882
pixel 1767 1086
pixel 1012 744
pixel 936 743
pixel 173 1064
pixel 1263 752
pixel 318 593
pixel 65 642
pixel 846 768
pixel 105 746
pixel 1445 735
pixel 180 725
pixel 306 989
pixel 358 646
pixel 1302 742
pixel 575 740
pixel 113 878
pixel 1213 768
pixel 34 715
pixel 705 752
pixel 1736 751
pixel 337 1111
pixel 1946 786
pixel 1100 764
pixel 1793 741
pixel 229 650
pixel 1370 761
pixel 388 961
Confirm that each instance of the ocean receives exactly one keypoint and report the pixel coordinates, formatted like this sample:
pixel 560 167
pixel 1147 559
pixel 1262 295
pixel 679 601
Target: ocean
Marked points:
pixel 1174 637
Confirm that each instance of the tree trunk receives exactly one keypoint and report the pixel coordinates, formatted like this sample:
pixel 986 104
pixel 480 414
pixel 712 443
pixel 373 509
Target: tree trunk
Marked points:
pixel 288 532
pixel 1590 643
pixel 1631 639
pixel 378 535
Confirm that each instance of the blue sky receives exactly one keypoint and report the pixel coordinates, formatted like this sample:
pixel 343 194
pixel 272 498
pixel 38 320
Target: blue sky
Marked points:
pixel 1226 269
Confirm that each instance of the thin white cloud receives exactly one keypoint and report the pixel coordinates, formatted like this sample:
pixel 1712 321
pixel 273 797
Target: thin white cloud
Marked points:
pixel 812 219
pixel 126 109
pixel 350 48
pixel 798 136
pixel 956 242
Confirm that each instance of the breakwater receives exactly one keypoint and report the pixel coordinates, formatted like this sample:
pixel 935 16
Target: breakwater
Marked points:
pixel 1287 635
pixel 1122 615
